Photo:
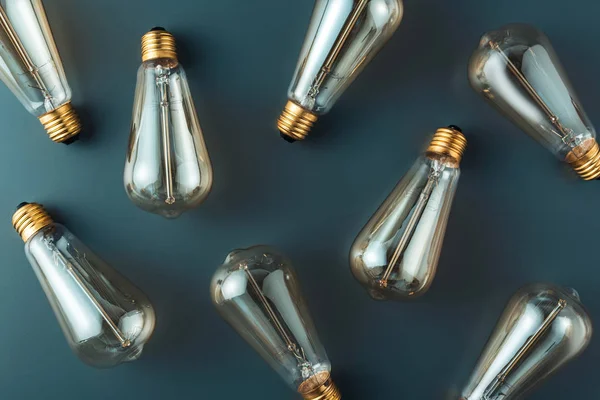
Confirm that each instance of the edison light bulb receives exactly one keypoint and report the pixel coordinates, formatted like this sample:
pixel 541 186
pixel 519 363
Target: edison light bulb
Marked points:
pixel 31 68
pixel 105 319
pixel 543 327
pixel 167 170
pixel 343 36
pixel 395 256
pixel 516 69
pixel 256 290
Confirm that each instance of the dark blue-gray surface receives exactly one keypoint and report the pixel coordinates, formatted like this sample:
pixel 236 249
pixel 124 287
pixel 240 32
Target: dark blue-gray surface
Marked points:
pixel 519 216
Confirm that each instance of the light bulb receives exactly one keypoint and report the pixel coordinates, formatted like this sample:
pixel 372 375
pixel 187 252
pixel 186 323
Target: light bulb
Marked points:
pixel 343 36
pixel 256 290
pixel 516 69
pixel 31 68
pixel 543 327
pixel 395 255
pixel 105 319
pixel 167 170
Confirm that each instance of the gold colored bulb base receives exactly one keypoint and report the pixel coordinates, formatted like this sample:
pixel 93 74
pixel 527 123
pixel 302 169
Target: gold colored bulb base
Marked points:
pixel 29 219
pixel 158 43
pixel 448 142
pixel 61 124
pixel 311 389
pixel 588 165
pixel 295 122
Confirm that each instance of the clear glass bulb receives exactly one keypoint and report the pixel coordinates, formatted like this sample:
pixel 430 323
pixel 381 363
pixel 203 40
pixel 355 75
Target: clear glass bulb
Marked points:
pixel 516 69
pixel 31 67
pixel 106 319
pixel 543 327
pixel 256 290
pixel 395 255
pixel 343 36
pixel 167 170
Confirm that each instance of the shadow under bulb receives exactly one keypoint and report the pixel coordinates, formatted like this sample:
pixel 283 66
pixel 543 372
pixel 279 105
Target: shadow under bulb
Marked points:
pixel 167 170
pixel 105 319
pixel 342 38
pixel 257 292
pixel 395 256
pixel 32 69
pixel 516 69
pixel 542 328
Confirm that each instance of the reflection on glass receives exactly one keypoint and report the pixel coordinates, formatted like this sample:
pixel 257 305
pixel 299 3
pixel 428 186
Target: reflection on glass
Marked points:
pixel 516 69
pixel 395 256
pixel 105 319
pixel 543 327
pixel 31 67
pixel 343 36
pixel 257 292
pixel 167 170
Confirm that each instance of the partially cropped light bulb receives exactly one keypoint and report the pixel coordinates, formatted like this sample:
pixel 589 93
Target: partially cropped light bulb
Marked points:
pixel 543 327
pixel 343 36
pixel 516 69
pixel 167 170
pixel 31 68
pixel 395 256
pixel 105 319
pixel 256 290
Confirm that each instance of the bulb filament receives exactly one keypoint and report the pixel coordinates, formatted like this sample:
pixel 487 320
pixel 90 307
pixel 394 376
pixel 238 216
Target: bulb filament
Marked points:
pixel 81 283
pixel 566 136
pixel 533 339
pixel 22 53
pixel 291 345
pixel 337 47
pixel 419 208
pixel 165 123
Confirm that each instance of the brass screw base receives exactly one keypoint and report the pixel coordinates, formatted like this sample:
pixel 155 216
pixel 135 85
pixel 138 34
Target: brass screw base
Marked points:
pixel 295 122
pixel 448 142
pixel 324 391
pixel 61 124
pixel 158 43
pixel 588 166
pixel 29 219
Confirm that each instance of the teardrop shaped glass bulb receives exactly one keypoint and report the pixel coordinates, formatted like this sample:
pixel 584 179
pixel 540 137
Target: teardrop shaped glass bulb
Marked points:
pixel 542 328
pixel 31 68
pixel 395 256
pixel 257 292
pixel 342 38
pixel 516 69
pixel 167 170
pixel 106 319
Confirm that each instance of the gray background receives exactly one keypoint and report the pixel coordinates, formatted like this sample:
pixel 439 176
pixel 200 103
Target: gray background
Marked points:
pixel 519 215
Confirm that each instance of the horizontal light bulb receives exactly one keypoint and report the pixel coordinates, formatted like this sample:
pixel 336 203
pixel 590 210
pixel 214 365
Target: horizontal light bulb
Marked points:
pixel 342 38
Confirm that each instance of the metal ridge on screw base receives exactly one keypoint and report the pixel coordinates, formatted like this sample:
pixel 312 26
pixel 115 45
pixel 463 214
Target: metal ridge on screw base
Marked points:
pixel 158 43
pixel 325 391
pixel 588 165
pixel 29 219
pixel 448 142
pixel 295 122
pixel 62 124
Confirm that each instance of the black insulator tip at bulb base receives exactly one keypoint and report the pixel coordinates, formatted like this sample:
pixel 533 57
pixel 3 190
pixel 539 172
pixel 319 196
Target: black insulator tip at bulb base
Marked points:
pixel 71 140
pixel 287 138
pixel 456 128
pixel 157 28
pixel 23 204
